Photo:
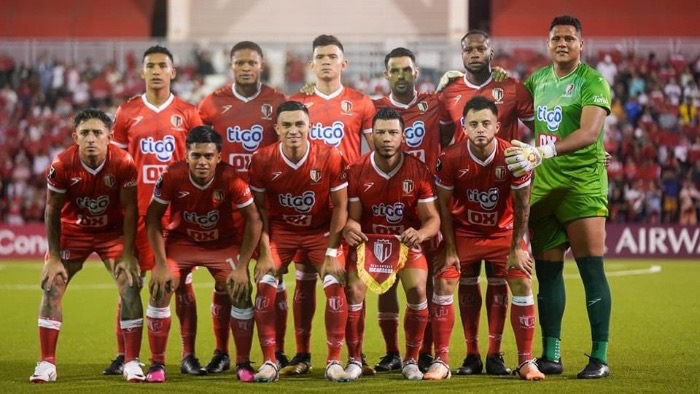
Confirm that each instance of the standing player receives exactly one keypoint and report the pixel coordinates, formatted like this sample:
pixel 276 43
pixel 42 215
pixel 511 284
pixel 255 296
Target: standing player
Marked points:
pixel 91 207
pixel 428 129
pixel 569 201
pixel 514 102
pixel 295 182
pixel 152 128
pixel 202 194
pixel 483 212
pixel 341 115
pixel 390 192
pixel 243 114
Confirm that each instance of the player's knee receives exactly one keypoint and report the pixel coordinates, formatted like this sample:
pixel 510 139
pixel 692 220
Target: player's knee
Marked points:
pixel 520 286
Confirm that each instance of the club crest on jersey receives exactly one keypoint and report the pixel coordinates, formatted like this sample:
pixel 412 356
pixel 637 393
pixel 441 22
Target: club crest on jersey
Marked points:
pixel 422 106
pixel 110 181
pixel 382 249
pixel 346 106
pixel 315 175
pixel 500 173
pixel 177 121
pixel 407 186
pixel 52 172
pixel 497 94
pixel 569 90
pixel 218 196
pixel 266 110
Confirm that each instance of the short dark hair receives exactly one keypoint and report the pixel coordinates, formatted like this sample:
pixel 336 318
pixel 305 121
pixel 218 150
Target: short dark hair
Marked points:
pixel 477 103
pixel 290 106
pixel 567 20
pixel 475 32
pixel 399 52
pixel 387 113
pixel 203 135
pixel 325 40
pixel 92 113
pixel 158 49
pixel 246 45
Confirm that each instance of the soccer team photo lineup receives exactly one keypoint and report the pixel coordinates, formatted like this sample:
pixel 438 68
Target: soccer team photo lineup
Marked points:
pixel 429 201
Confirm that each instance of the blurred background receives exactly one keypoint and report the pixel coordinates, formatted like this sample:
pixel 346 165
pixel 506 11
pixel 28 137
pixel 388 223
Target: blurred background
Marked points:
pixel 59 56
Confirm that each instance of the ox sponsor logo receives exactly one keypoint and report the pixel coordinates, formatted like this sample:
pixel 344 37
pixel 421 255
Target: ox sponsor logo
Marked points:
pixel 205 221
pixel 393 213
pixel 91 221
pixel 552 118
pixel 546 139
pixel 266 111
pixel 203 236
pixel 248 138
pixel 415 134
pixel 297 220
pixel 487 200
pixel 162 149
pixel 417 153
pixel 382 249
pixel 151 173
pixel 240 161
pixel 331 135
pixel 301 204
pixel 482 218
pixel 96 206
pixel 382 229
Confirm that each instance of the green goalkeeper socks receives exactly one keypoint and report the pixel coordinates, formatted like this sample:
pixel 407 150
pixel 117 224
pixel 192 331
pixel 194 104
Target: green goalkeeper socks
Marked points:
pixel 598 302
pixel 551 301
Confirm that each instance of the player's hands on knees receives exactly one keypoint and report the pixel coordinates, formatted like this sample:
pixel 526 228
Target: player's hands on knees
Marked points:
pixel 521 260
pixel 447 79
pixel 238 284
pixel 127 265
pixel 331 266
pixel 161 282
pixel 352 232
pixel 412 237
pixel 499 73
pixel 53 268
pixel 263 266
pixel 309 88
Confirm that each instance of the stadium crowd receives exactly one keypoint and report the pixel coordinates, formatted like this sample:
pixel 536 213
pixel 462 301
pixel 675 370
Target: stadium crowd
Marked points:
pixel 653 132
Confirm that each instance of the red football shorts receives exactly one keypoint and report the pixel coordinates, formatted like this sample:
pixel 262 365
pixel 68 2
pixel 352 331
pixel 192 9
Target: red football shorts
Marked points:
pixel 472 250
pixel 285 245
pixel 79 246
pixel 183 256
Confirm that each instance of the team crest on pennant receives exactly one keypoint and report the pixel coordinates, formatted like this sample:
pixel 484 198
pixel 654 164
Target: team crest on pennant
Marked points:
pixel 177 121
pixel 422 106
pixel 407 186
pixel 315 175
pixel 266 111
pixel 110 181
pixel 346 106
pixel 379 260
pixel 500 173
pixel 497 94
pixel 218 196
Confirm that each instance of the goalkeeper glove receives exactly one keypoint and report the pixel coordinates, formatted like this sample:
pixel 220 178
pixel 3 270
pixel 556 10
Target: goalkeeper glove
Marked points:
pixel 522 157
pixel 447 79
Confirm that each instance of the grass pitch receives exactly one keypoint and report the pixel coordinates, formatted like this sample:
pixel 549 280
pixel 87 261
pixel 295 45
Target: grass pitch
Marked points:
pixel 654 338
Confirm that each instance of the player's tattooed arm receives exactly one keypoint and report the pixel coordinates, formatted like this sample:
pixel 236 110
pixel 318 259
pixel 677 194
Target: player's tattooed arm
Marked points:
pixel 519 258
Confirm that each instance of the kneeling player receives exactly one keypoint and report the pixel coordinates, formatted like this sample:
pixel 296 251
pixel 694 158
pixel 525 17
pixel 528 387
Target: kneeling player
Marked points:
pixel 202 193
pixel 476 194
pixel 390 193
pixel 91 207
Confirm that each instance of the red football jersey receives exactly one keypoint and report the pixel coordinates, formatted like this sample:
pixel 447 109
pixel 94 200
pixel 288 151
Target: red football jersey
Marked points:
pixel 511 97
pixel 245 123
pixel 154 136
pixel 92 196
pixel 298 194
pixel 389 201
pixel 202 214
pixel 339 119
pixel 422 118
pixel 481 202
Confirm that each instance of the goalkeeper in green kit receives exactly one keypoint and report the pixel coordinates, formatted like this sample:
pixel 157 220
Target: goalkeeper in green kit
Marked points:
pixel 569 202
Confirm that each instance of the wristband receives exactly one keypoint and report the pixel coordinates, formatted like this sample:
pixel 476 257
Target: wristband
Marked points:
pixel 332 252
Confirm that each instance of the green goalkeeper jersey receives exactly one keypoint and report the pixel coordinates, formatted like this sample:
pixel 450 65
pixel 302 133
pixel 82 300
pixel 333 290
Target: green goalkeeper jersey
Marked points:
pixel 558 106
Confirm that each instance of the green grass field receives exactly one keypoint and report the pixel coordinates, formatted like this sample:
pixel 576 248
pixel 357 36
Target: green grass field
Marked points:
pixel 654 338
